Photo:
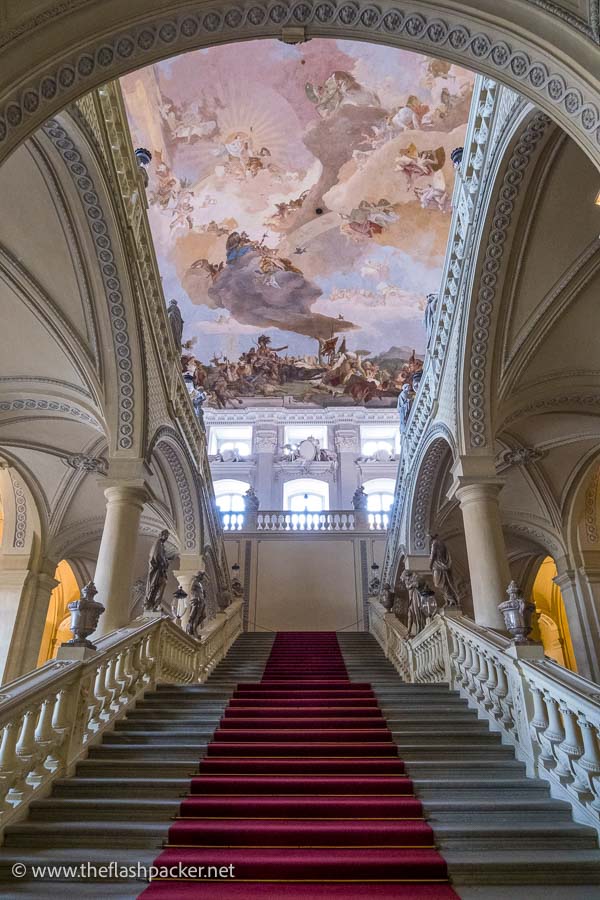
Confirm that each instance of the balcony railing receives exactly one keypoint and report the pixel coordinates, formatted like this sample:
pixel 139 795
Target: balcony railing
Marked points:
pixel 331 520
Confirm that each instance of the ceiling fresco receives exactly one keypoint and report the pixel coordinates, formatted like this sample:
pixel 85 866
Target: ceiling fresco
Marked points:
pixel 299 200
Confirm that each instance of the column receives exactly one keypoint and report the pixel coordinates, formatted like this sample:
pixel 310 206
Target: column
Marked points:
pixel 488 563
pixel 580 591
pixel 116 557
pixel 24 598
pixel 265 445
pixel 348 447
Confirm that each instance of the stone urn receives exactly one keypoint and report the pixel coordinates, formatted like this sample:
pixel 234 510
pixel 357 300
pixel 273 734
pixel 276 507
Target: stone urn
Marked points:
pixel 85 613
pixel 517 613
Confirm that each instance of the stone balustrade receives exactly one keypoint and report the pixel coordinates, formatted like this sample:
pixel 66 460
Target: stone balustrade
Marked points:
pixel 51 716
pixel 336 520
pixel 549 714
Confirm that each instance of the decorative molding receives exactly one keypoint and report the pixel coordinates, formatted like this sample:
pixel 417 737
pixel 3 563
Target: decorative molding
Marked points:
pixel 265 441
pixel 486 295
pixel 347 441
pixel 272 416
pixel 517 456
pixel 569 401
pixel 590 510
pixel 20 512
pixel 29 404
pixel 87 463
pixel 416 28
pixel 425 481
pixel 185 495
pixel 110 275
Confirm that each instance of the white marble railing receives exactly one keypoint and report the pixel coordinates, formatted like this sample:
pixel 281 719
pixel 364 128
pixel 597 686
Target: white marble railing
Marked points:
pixel 328 520
pixel 549 714
pixel 50 717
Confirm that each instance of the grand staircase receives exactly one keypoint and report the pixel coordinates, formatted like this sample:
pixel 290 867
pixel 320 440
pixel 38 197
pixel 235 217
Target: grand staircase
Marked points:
pixel 309 776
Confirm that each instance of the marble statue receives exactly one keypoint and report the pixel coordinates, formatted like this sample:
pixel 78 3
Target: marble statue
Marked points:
pixel 198 400
pixel 176 322
pixel 414 585
pixel 429 316
pixel 237 588
pixel 405 399
pixel 158 571
pixel 251 501
pixel 360 499
pixel 440 563
pixel 197 604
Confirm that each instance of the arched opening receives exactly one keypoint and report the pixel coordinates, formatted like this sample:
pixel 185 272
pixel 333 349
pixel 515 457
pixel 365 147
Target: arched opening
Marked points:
pixel 380 493
pixel 229 497
pixel 303 495
pixel 56 629
pixel 551 627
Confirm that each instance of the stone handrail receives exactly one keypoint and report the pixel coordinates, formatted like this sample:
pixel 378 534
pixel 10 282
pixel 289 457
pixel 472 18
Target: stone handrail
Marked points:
pixel 549 714
pixel 331 520
pixel 50 717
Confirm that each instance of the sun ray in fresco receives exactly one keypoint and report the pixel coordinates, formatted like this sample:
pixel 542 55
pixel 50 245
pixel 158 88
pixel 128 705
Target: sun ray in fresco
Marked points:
pixel 300 212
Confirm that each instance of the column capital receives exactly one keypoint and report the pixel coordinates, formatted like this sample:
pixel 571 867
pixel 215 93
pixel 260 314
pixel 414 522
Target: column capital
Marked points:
pixel 473 490
pixel 136 492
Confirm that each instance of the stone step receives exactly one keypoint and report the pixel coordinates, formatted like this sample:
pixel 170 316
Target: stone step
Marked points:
pixel 130 787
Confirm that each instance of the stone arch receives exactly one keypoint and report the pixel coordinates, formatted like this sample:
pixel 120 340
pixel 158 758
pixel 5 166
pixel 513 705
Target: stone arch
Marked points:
pixel 184 488
pixel 581 516
pixel 112 43
pixel 118 319
pixel 428 469
pixel 476 353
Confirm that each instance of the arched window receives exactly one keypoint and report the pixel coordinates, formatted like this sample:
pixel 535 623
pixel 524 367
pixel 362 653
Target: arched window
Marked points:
pixel 306 495
pixel 229 496
pixel 380 493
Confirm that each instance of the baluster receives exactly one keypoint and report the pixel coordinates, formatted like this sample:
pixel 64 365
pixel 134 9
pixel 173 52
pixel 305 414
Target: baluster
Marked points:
pixel 571 748
pixel 461 660
pixel 490 684
pixel 12 770
pixel 500 691
pixel 26 749
pixel 590 761
pixel 553 734
pixel 480 677
pixel 44 734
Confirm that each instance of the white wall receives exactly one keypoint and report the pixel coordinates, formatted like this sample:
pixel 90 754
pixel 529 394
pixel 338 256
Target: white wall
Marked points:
pixel 304 582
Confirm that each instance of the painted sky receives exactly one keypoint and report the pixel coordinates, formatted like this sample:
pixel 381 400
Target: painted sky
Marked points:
pixel 300 191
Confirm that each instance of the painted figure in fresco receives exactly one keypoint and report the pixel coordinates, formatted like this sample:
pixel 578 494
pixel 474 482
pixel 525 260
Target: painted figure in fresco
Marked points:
pixel 411 117
pixel 197 604
pixel 158 569
pixel 415 163
pixel 175 321
pixel 440 563
pixel 184 208
pixel 166 184
pixel 238 244
pixel 369 219
pixel 405 399
pixel 434 195
pixel 340 89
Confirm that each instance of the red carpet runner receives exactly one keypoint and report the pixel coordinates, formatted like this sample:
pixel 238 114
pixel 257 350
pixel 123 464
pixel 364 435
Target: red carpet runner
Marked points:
pixel 302 791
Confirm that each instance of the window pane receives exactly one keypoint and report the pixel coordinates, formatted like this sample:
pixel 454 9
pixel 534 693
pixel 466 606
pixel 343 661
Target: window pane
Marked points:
pixel 310 502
